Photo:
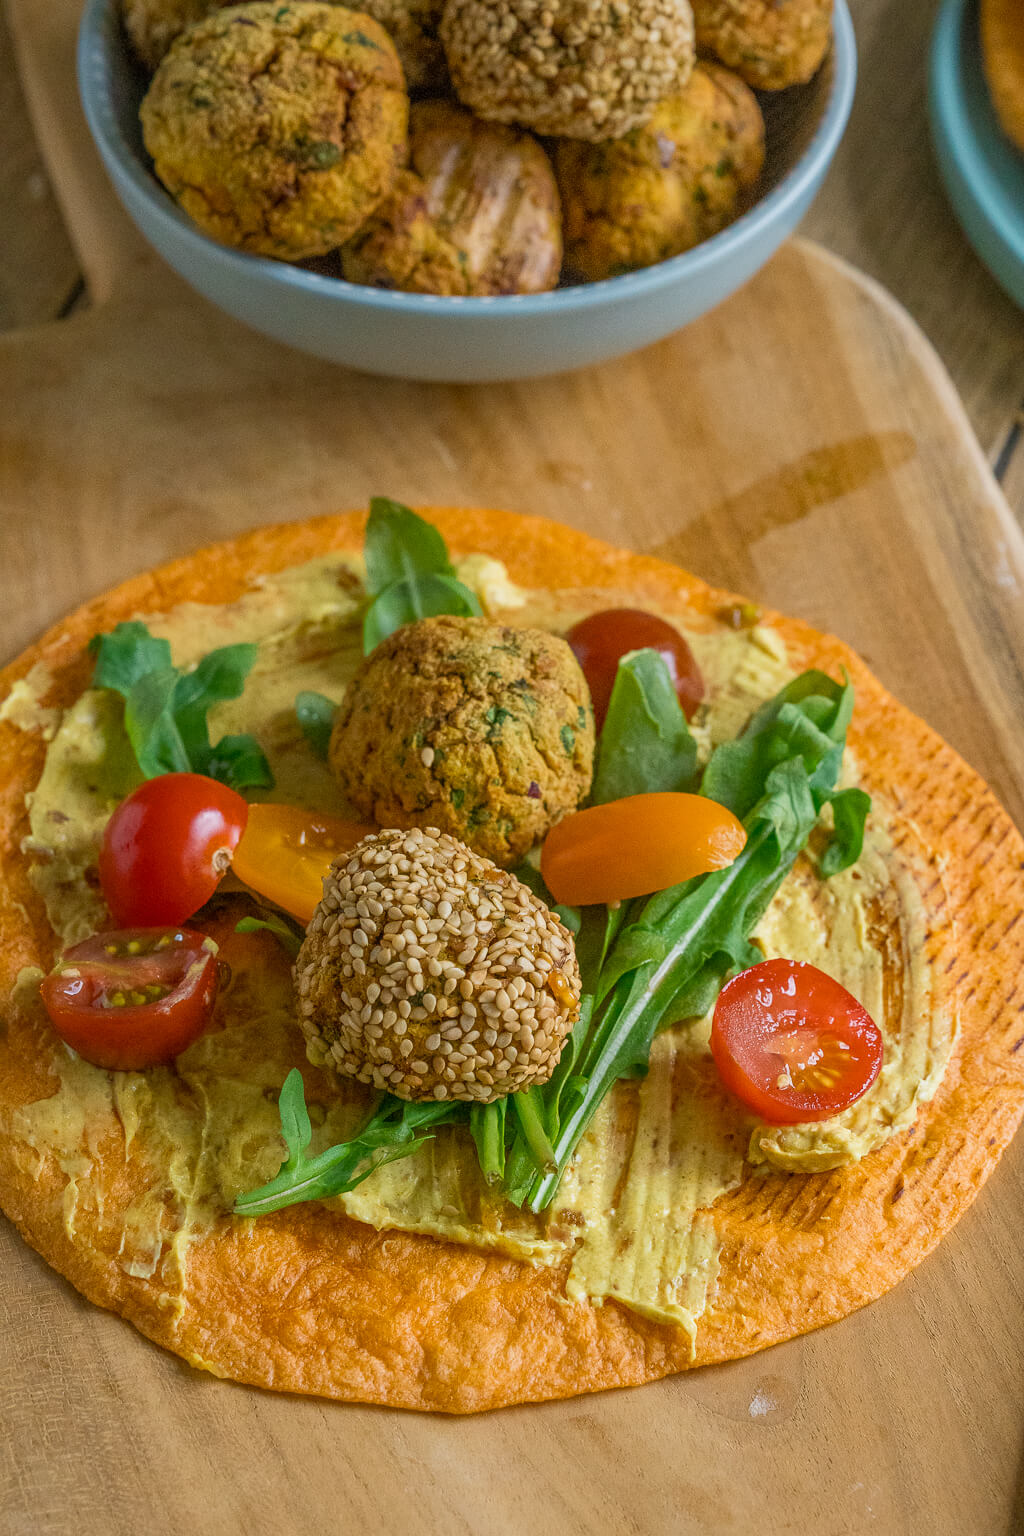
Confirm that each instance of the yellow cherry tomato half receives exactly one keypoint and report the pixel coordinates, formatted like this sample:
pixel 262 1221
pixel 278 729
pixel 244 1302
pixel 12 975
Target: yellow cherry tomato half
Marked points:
pixel 636 846
pixel 285 852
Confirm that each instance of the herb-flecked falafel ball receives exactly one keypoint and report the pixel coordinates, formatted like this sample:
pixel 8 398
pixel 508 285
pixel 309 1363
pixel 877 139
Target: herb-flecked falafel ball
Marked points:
pixel 412 25
pixel 432 974
pixel 771 44
pixel 580 69
pixel 482 730
pixel 476 213
pixel 278 128
pixel 664 188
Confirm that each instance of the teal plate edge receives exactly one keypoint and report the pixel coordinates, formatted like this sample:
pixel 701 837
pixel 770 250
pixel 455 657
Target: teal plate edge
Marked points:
pixel 983 172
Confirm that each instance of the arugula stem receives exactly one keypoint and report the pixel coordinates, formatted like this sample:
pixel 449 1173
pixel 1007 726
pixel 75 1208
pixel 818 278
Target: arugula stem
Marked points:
pixel 533 1129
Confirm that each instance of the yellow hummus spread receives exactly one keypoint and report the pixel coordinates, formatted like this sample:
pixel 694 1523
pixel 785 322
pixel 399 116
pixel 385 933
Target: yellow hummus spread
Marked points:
pixel 634 1218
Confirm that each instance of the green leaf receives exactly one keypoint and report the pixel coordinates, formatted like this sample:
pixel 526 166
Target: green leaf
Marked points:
pixel 315 713
pixel 636 946
pixel 166 709
pixel 296 1127
pixel 401 546
pixel 850 809
pixel 418 597
pixel 239 761
pixel 288 936
pixel 645 746
pixel 220 675
pixel 151 726
pixel 394 1130
pixel 124 655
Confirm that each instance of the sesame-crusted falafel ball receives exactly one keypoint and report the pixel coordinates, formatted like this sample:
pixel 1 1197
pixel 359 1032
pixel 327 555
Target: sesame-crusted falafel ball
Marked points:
pixel 477 213
pixel 432 974
pixel 580 69
pixel 484 731
pixel 771 44
pixel 663 188
pixel 278 128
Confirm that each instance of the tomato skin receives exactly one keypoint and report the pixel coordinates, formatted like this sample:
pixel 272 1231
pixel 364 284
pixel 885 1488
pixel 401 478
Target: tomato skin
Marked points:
pixel 166 847
pixel 178 965
pixel 285 852
pixel 602 639
pixel 637 845
pixel 784 1018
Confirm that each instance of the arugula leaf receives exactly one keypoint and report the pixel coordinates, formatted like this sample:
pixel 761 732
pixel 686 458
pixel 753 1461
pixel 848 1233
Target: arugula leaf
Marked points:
pixel 645 744
pixel 287 934
pixel 409 574
pixel 166 708
pixel 150 724
pixel 399 545
pixel 850 809
pixel 124 655
pixel 315 713
pixel 394 1130
pixel 296 1126
pixel 418 597
pixel 240 762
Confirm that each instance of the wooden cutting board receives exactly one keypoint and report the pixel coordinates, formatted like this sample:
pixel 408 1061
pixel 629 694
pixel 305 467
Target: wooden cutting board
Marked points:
pixel 801 444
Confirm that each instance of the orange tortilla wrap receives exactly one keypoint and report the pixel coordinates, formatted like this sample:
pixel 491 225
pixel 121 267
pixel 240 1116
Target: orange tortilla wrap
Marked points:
pixel 308 1300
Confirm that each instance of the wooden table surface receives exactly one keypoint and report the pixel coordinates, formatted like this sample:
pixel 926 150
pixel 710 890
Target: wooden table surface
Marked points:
pixel 882 207
pixel 102 1434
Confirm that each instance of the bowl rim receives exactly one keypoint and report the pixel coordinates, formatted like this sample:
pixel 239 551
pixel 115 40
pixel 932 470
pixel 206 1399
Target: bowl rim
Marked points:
pixel 174 223
pixel 960 134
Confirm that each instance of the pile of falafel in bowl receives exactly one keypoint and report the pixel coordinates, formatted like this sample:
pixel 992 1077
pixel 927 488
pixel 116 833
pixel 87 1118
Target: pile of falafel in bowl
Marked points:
pixel 495 150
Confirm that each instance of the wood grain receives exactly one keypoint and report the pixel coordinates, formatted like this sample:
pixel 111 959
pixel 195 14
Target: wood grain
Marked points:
pixel 38 268
pixel 802 443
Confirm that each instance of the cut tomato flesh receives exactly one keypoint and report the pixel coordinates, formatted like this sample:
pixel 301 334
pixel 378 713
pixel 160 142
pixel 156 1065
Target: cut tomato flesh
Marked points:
pixel 285 852
pixel 134 998
pixel 794 1044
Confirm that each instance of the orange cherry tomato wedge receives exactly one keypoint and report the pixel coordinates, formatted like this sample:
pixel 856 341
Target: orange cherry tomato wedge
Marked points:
pixel 792 1043
pixel 638 845
pixel 285 852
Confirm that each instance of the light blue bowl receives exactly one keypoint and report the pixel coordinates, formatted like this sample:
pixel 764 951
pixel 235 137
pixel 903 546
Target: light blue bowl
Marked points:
pixel 983 171
pixel 417 336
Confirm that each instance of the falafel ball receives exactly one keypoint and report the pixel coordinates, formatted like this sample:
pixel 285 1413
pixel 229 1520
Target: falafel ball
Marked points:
pixel 664 188
pixel 582 69
pixel 152 25
pixel 412 26
pixel 434 975
pixel 771 44
pixel 478 213
pixel 484 731
pixel 278 128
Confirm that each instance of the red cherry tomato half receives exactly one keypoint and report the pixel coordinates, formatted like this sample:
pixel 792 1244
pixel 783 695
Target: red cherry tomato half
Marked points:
pixel 166 847
pixel 135 998
pixel 792 1043
pixel 600 641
